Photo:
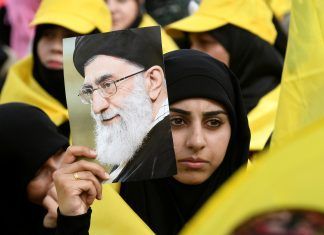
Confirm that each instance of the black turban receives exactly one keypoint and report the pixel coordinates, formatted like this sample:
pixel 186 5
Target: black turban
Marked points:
pixel 141 46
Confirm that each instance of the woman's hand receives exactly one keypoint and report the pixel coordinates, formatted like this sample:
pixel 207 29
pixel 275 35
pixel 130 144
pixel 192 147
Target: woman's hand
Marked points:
pixel 78 183
pixel 50 203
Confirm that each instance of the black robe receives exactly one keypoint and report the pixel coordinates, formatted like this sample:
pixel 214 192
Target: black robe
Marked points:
pixel 154 159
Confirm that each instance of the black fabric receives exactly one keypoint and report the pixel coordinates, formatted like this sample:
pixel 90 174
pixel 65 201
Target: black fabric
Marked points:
pixel 73 225
pixel 127 44
pixel 52 80
pixel 3 59
pixel 136 22
pixel 281 39
pixel 166 204
pixel 155 158
pixel 254 61
pixel 27 139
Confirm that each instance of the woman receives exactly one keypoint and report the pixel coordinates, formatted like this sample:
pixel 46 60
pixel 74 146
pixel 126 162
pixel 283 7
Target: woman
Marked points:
pixel 241 34
pixel 127 14
pixel 31 150
pixel 38 79
pixel 255 62
pixel 211 140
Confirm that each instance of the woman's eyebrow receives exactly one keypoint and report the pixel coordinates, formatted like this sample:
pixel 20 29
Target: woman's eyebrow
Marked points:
pixel 214 113
pixel 184 112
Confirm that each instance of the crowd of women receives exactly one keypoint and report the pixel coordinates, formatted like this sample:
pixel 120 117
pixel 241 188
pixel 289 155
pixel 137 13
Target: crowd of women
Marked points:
pixel 223 67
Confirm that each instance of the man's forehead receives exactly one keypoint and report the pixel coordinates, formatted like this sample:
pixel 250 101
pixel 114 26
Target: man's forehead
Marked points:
pixel 103 65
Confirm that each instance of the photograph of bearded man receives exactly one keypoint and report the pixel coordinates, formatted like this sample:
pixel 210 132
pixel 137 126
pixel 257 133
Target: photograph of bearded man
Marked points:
pixel 124 84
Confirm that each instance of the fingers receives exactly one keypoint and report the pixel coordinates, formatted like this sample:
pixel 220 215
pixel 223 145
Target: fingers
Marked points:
pixel 52 192
pixel 73 152
pixel 88 176
pixel 50 219
pixel 83 165
pixel 88 191
pixel 75 195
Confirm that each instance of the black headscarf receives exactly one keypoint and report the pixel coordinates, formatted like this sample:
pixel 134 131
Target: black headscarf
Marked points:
pixel 254 61
pixel 28 138
pixel 52 80
pixel 166 204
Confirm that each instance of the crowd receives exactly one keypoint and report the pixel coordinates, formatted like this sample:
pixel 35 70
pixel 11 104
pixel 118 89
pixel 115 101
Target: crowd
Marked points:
pixel 243 83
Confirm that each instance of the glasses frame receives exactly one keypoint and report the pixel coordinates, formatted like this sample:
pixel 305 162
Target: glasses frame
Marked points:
pixel 84 101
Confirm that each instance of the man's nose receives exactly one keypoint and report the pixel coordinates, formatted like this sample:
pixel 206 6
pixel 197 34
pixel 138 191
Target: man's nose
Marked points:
pixel 196 138
pixel 99 103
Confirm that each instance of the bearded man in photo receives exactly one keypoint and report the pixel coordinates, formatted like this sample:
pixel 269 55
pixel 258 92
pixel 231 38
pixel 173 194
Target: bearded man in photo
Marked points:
pixel 124 84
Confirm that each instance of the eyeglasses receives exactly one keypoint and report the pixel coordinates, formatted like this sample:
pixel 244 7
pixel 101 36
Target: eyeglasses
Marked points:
pixel 106 89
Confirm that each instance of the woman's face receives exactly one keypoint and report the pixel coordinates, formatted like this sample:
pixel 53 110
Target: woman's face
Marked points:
pixel 206 43
pixel 201 132
pixel 50 47
pixel 39 186
pixel 123 13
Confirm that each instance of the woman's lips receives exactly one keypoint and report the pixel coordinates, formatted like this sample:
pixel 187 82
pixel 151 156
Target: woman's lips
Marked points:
pixel 193 163
pixel 54 64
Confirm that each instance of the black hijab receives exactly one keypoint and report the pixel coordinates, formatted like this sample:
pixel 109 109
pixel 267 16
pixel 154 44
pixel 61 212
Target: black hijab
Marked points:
pixel 254 61
pixel 166 204
pixel 52 80
pixel 28 138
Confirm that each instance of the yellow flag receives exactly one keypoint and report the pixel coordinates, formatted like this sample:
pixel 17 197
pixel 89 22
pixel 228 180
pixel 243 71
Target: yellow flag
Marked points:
pixel 291 174
pixel 301 100
pixel 113 216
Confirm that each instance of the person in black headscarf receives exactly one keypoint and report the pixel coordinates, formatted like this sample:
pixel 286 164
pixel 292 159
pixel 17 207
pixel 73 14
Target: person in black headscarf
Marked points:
pixel 211 139
pixel 128 14
pixel 31 150
pixel 254 61
pixel 38 79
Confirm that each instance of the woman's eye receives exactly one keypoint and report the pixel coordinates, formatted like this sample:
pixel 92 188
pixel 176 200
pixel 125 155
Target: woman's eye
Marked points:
pixel 177 121
pixel 213 123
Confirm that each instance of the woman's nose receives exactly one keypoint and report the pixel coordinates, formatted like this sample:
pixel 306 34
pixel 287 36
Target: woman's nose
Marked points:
pixel 196 139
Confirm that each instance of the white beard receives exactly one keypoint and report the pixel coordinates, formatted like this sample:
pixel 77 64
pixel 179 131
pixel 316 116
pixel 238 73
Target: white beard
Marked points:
pixel 116 143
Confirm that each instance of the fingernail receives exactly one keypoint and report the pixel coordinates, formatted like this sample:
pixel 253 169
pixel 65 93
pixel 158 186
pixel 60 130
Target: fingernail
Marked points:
pixel 93 152
pixel 106 175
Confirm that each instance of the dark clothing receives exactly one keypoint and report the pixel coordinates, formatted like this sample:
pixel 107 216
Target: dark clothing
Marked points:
pixel 52 80
pixel 281 39
pixel 165 204
pixel 73 225
pixel 254 61
pixel 155 158
pixel 28 139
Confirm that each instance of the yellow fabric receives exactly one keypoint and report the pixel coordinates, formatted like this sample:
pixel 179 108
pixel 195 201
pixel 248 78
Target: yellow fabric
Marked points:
pixel 79 16
pixel 289 177
pixel 20 86
pixel 112 215
pixel 262 119
pixel 301 100
pixel 252 15
pixel 280 7
pixel 167 42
